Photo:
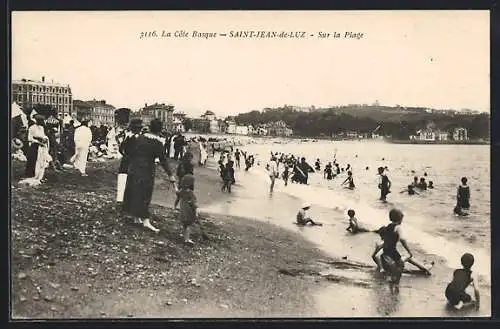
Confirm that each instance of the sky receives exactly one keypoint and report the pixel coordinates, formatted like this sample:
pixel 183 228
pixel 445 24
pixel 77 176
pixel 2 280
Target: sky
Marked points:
pixel 437 59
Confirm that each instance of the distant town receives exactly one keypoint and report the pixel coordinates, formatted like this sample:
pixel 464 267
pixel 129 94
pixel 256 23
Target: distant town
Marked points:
pixel 397 124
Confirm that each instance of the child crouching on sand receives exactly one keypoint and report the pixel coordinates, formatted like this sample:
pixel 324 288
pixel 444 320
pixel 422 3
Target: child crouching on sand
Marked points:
pixel 462 279
pixel 302 218
pixel 188 206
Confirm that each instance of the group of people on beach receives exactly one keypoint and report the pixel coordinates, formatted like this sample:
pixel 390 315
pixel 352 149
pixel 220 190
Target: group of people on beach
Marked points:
pixel 387 258
pixel 391 264
pixel 139 153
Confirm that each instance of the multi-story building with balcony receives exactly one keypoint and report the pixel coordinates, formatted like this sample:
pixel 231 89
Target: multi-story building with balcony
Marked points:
pixel 31 94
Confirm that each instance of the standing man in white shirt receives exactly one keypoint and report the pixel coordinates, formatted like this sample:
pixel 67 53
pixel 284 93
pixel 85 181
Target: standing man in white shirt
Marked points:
pixel 83 139
pixel 272 168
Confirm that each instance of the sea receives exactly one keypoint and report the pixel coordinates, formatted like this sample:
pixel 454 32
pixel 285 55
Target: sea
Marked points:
pixel 429 222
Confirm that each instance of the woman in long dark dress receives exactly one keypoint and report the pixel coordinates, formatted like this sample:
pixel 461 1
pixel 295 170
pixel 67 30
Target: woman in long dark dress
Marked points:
pixel 140 153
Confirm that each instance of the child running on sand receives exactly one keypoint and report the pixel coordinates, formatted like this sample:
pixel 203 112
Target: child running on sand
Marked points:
pixel 188 206
pixel 462 279
pixel 302 218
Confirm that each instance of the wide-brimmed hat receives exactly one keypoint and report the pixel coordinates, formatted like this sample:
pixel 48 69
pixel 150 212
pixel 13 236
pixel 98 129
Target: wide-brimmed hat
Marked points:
pixel 306 205
pixel 17 143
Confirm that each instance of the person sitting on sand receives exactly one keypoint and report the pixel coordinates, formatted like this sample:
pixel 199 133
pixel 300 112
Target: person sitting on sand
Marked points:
pixel 410 190
pixel 302 218
pixel 354 226
pixel 462 279
pixel 415 182
pixel 431 185
pixel 349 180
pixel 463 197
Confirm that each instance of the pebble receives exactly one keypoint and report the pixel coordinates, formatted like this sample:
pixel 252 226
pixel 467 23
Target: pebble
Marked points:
pixel 22 299
pixel 53 309
pixel 169 303
pixel 224 306
pixel 184 300
pixel 21 276
pixel 36 298
pixel 103 313
pixel 89 285
pixel 55 285
pixel 48 298
pixel 75 288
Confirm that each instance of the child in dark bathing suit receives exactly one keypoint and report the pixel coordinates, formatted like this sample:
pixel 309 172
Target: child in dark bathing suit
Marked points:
pixel 328 173
pixel 385 184
pixel 462 279
pixel 349 180
pixel 391 261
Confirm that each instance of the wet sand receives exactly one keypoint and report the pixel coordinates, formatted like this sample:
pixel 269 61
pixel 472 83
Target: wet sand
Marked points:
pixel 251 199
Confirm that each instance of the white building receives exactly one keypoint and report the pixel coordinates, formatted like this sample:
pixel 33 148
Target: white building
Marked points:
pixel 242 130
pixel 426 135
pixel 460 134
pixel 231 127
pixel 429 134
pixel 177 126
pixel 442 135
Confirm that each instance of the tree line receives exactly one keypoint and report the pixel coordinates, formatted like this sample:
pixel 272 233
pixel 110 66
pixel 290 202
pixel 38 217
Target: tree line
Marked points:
pixel 392 121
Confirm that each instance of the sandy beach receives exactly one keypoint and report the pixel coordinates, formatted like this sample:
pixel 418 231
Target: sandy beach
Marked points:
pixel 74 255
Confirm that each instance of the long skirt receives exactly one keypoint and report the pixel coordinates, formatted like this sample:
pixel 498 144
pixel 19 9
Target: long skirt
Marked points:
pixel 80 158
pixel 31 158
pixel 138 193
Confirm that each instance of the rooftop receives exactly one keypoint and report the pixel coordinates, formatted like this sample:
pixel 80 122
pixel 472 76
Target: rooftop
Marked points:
pixel 36 82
